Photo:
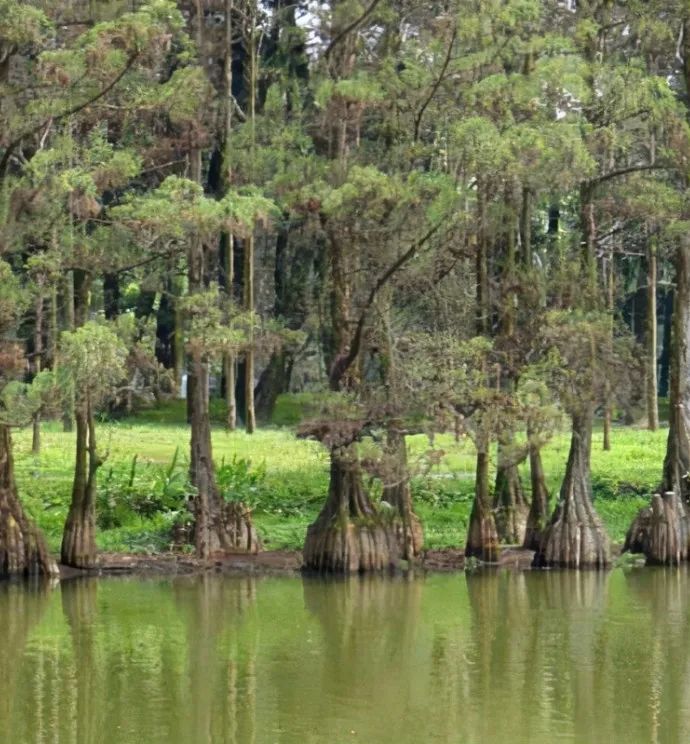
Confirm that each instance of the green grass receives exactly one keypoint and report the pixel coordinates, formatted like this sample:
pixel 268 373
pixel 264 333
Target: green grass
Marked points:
pixel 291 479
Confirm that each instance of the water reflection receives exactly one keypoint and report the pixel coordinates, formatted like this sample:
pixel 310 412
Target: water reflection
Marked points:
pixel 80 607
pixel 220 679
pixel 21 609
pixel 490 657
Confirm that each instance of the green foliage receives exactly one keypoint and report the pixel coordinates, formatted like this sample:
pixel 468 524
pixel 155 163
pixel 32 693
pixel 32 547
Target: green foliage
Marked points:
pixel 12 298
pixel 92 361
pixel 238 480
pixel 21 23
pixel 127 492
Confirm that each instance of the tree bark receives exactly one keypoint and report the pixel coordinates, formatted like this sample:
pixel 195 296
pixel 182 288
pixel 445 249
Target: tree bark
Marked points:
pixel 510 505
pixel 651 338
pixel 23 551
pixel 482 537
pixel 79 536
pixel 38 356
pixel 661 531
pixel 349 536
pixel 483 319
pixel 677 460
pixel 539 507
pixel 229 360
pixel 397 493
pixel 219 525
pixel 68 324
pixel 608 393
pixel 250 413
pixel 575 536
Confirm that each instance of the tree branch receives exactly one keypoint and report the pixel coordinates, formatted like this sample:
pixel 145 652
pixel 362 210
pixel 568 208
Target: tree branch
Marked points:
pixel 349 29
pixel 69 112
pixel 343 362
pixel 436 85
pixel 624 172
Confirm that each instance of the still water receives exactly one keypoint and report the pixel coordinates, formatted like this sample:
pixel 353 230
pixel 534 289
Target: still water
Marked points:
pixel 502 657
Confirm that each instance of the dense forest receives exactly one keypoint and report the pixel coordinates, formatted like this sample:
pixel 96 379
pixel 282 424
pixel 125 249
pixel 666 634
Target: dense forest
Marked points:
pixel 467 216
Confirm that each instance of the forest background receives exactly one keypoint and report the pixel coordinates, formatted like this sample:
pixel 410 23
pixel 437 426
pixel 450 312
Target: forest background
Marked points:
pixel 441 243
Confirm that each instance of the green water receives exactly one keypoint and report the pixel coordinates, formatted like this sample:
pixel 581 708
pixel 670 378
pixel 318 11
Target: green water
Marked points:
pixel 507 657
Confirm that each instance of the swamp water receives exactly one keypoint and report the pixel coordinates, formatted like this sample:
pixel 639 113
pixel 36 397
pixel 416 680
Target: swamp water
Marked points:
pixel 486 657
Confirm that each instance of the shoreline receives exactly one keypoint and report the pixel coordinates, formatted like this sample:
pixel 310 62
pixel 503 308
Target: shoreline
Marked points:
pixel 266 563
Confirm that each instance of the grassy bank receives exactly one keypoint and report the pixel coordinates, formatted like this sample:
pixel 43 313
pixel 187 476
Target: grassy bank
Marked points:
pixel 142 487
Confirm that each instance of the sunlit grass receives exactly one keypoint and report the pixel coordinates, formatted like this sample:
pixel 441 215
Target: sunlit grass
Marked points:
pixel 297 477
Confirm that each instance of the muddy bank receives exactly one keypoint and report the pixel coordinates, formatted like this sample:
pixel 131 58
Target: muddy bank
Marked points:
pixel 270 562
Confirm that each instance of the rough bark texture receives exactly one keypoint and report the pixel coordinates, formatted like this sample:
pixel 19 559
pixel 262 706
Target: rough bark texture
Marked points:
pixel 510 505
pixel 651 339
pixel 482 537
pixel 575 536
pixel 538 512
pixel 661 531
pixel 79 537
pixel 23 551
pixel 397 494
pixel 249 373
pixel 677 460
pixel 220 526
pixel 349 535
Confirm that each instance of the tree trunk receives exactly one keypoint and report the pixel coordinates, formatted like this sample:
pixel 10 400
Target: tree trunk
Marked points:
pixel 250 414
pixel 68 324
pixel 38 355
pixel 397 493
pixel 677 460
pixel 23 551
pixel 111 296
pixel 219 526
pixel 661 531
pixel 349 535
pixel 575 536
pixel 79 537
pixel 229 360
pixel 652 406
pixel 482 537
pixel 538 512
pixel 608 393
pixel 273 381
pixel 483 319
pixel 510 505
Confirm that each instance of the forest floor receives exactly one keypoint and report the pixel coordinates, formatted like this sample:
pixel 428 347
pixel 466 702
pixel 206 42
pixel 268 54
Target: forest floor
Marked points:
pixel 142 486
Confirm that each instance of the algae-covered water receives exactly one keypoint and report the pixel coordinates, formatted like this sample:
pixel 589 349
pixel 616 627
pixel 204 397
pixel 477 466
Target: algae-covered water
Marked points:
pixel 501 657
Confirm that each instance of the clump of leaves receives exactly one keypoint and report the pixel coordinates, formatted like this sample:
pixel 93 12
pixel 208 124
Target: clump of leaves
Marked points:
pixel 239 480
pixel 128 491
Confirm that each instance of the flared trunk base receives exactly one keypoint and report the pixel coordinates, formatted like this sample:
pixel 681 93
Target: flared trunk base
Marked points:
pixel 511 523
pixel 353 547
pixel 23 551
pixel 231 530
pixel 574 540
pixel 236 530
pixel 482 536
pixel 79 544
pixel 660 531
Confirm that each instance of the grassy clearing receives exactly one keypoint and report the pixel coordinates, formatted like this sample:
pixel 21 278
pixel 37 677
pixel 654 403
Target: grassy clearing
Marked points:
pixel 142 487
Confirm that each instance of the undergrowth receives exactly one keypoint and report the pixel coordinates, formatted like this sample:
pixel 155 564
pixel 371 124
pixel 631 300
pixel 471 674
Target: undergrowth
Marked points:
pixel 143 488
